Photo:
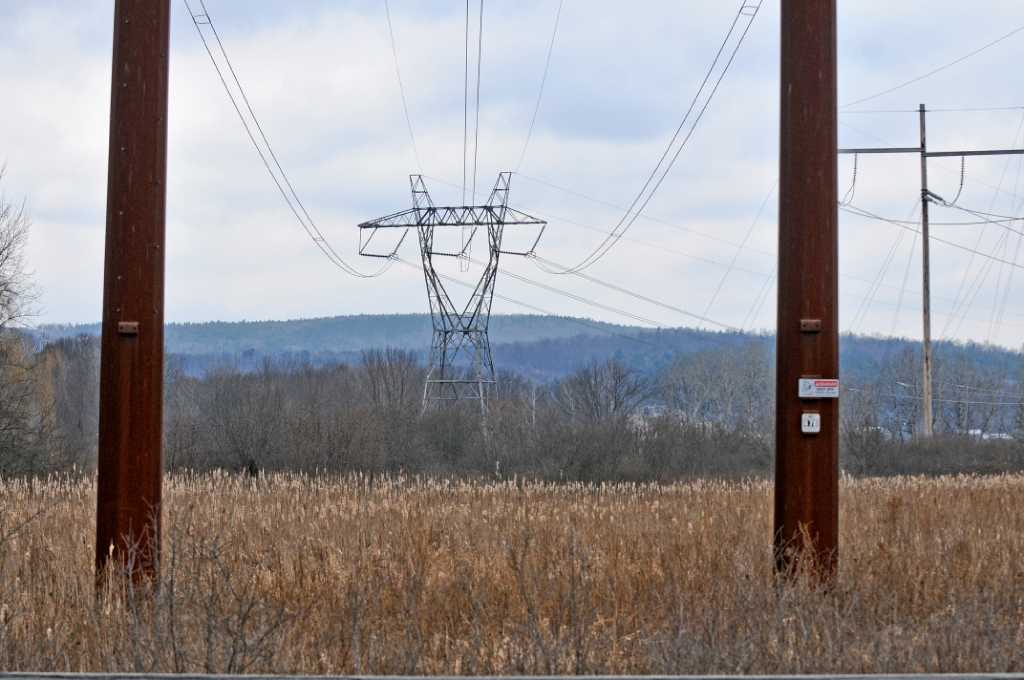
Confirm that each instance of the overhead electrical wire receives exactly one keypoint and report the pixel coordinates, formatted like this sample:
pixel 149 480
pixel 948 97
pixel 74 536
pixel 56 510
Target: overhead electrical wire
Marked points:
pixel 935 71
pixel 981 235
pixel 903 288
pixel 964 109
pixel 697 232
pixel 998 319
pixel 401 87
pixel 290 196
pixel 648 244
pixel 668 157
pixel 465 108
pixel 913 397
pixel 543 82
pixel 854 210
pixel 479 65
pixel 739 249
pixel 526 305
pixel 649 218
pixel 665 249
pixel 639 296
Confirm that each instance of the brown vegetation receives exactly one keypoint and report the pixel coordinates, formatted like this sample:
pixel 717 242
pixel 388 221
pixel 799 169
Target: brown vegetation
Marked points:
pixel 294 573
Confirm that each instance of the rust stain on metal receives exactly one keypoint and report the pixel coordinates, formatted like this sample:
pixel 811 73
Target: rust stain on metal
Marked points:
pixel 806 520
pixel 131 366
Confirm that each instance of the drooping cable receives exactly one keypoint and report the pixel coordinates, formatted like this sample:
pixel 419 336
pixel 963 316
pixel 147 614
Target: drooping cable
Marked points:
pixel 678 140
pixel 540 92
pixel 739 249
pixel 465 108
pixel 848 196
pixel 401 87
pixel 903 287
pixel 479 66
pixel 963 174
pixel 935 71
pixel 527 305
pixel 267 157
pixel 551 267
pixel 861 212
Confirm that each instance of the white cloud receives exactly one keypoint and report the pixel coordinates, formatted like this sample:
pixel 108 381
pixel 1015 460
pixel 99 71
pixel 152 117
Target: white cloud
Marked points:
pixel 321 76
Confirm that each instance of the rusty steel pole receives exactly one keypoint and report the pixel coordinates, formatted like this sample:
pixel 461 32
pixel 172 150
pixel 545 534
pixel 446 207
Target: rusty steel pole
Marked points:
pixel 131 363
pixel 806 521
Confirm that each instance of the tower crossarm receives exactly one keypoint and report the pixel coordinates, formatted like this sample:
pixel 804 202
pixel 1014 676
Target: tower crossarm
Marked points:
pixel 454 216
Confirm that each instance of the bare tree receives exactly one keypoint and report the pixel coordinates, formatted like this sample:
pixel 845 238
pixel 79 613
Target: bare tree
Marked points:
pixel 16 292
pixel 393 378
pixel 23 418
pixel 602 391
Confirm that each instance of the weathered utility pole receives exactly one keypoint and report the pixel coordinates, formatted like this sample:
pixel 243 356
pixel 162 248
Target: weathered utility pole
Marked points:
pixel 927 197
pixel 131 363
pixel 926 290
pixel 807 388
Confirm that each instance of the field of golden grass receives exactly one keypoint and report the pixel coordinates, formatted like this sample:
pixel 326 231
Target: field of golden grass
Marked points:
pixel 298 574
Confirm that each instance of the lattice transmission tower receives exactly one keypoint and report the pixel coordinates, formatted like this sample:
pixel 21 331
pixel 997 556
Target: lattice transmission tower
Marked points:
pixel 461 365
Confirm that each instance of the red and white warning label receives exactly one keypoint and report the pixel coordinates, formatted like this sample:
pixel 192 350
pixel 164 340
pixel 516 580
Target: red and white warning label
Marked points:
pixel 818 388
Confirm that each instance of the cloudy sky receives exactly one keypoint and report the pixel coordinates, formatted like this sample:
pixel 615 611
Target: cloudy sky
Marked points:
pixel 321 77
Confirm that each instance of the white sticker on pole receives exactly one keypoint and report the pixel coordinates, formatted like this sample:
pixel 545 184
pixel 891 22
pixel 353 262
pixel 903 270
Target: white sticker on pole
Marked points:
pixel 819 388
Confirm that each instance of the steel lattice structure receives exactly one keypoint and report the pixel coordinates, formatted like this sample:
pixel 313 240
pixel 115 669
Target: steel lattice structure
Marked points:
pixel 461 365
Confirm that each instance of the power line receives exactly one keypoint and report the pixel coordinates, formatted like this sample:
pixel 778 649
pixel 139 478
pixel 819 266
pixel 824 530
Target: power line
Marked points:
pixel 648 244
pixel 861 212
pixel 697 232
pixel 580 298
pixel 465 108
pixel 1016 258
pixel 965 109
pixel 526 305
pixel 665 249
pixel 401 87
pixel 759 301
pixel 981 234
pixel 903 287
pixel 639 296
pixel 308 225
pixel 662 168
pixel 479 64
pixel 649 218
pixel 933 72
pixel 854 210
pixel 543 81
pixel 739 249
pixel 913 397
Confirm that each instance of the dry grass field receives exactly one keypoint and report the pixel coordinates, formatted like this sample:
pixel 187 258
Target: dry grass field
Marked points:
pixel 298 574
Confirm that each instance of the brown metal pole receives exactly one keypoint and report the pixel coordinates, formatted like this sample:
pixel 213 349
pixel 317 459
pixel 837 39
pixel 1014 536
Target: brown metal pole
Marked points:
pixel 131 364
pixel 806 466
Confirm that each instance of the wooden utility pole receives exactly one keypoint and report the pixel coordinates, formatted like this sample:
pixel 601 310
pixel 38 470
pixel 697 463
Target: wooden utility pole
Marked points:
pixel 807 387
pixel 926 290
pixel 927 197
pixel 131 362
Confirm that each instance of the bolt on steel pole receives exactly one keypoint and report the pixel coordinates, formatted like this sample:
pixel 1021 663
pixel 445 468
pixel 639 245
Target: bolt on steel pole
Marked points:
pixel 806 521
pixel 131 361
pixel 926 289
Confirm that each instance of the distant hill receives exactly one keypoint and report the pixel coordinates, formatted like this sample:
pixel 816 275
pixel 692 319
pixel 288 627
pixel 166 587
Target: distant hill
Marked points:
pixel 541 347
pixel 339 334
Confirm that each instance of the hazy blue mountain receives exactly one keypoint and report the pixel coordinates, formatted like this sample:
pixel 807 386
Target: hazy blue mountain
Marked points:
pixel 542 347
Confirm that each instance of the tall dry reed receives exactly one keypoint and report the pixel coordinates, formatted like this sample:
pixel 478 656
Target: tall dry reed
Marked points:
pixel 324 575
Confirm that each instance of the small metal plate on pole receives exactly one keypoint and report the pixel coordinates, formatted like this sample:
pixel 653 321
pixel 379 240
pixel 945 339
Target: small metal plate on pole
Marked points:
pixel 818 388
